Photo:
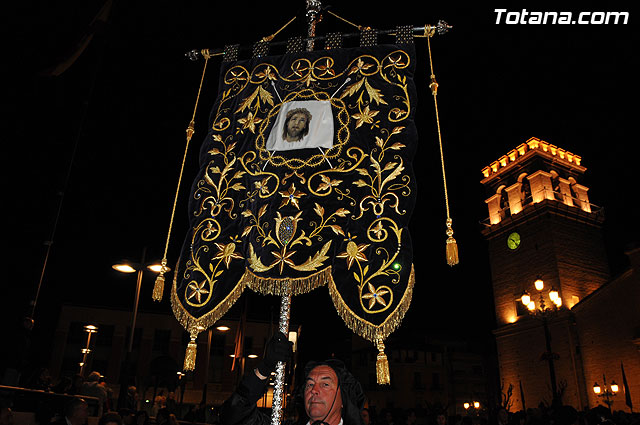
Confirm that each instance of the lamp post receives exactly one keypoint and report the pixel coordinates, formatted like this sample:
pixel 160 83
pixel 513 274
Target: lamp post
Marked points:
pixel 180 385
pixel 89 329
pixel 139 268
pixel 543 310
pixel 219 328
pixel 606 392
pixel 293 337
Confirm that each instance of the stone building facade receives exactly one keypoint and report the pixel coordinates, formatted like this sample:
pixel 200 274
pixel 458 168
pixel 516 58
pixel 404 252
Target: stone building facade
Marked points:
pixel 541 226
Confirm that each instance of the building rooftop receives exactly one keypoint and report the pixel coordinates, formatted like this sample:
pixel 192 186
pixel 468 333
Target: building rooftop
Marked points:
pixel 531 147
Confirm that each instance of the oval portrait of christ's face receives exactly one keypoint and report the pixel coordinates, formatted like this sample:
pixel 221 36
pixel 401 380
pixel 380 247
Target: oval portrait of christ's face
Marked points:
pixel 302 125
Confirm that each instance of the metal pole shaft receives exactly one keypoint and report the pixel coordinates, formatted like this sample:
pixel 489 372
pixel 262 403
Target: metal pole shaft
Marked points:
pixel 137 298
pixel 278 390
pixel 206 366
pixel 84 355
pixel 135 309
pixel 607 394
pixel 86 352
pixel 552 370
pixel 313 15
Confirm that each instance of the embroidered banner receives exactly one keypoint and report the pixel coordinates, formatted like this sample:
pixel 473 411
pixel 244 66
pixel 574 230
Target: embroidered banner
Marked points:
pixel 306 177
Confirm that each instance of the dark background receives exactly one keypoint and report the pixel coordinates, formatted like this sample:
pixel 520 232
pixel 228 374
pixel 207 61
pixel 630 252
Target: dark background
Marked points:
pixel 109 134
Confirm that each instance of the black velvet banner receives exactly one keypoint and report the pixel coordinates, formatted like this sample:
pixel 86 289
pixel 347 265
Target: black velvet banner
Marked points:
pixel 306 180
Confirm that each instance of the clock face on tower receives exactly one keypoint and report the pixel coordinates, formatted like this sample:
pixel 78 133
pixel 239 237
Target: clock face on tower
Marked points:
pixel 513 241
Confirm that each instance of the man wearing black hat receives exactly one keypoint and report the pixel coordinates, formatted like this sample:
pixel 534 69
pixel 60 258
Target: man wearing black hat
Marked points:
pixel 332 396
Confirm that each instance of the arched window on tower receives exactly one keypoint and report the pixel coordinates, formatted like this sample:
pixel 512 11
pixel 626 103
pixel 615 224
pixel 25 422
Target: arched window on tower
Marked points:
pixel 525 187
pixel 574 195
pixel 504 202
pixel 555 185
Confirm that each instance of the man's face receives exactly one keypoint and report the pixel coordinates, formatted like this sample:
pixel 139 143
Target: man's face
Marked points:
pixel 321 392
pixel 295 127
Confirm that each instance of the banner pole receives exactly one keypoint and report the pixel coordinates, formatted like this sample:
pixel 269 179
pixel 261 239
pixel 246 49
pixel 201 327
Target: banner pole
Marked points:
pixel 283 326
pixel 313 14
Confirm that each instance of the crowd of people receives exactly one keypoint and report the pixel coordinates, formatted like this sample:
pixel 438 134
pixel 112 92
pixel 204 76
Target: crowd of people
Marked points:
pixel 541 415
pixel 94 397
pixel 329 395
pixel 77 412
pixel 163 413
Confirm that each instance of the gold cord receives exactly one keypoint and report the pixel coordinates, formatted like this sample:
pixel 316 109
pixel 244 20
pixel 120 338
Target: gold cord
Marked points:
pixel 360 27
pixel 159 284
pixel 451 246
pixel 271 37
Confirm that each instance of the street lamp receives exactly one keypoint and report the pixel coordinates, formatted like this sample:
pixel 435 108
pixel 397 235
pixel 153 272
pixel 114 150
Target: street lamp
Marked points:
pixel 89 329
pixel 473 405
pixel 128 267
pixel 139 268
pixel 293 338
pixel 207 357
pixel 250 356
pixel 606 392
pixel 543 310
pixel 541 307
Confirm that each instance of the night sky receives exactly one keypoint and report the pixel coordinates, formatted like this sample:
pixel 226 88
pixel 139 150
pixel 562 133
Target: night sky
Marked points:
pixel 109 132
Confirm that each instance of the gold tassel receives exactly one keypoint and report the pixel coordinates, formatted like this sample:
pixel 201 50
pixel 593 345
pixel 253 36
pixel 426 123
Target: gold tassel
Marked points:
pixel 190 355
pixel 452 246
pixel 382 365
pixel 158 288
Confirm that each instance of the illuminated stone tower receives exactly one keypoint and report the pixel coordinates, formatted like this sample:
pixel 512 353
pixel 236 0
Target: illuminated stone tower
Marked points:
pixel 541 225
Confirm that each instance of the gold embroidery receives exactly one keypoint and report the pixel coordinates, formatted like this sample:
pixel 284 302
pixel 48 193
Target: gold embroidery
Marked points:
pixel 365 328
pixel 241 186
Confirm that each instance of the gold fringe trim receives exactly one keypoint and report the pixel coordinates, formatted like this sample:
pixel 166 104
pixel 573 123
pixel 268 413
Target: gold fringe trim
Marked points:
pixel 364 328
pixel 190 355
pixel 271 286
pixel 196 325
pixel 258 284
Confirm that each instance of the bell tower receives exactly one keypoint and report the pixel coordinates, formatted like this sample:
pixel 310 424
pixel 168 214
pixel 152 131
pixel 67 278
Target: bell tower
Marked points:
pixel 541 226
